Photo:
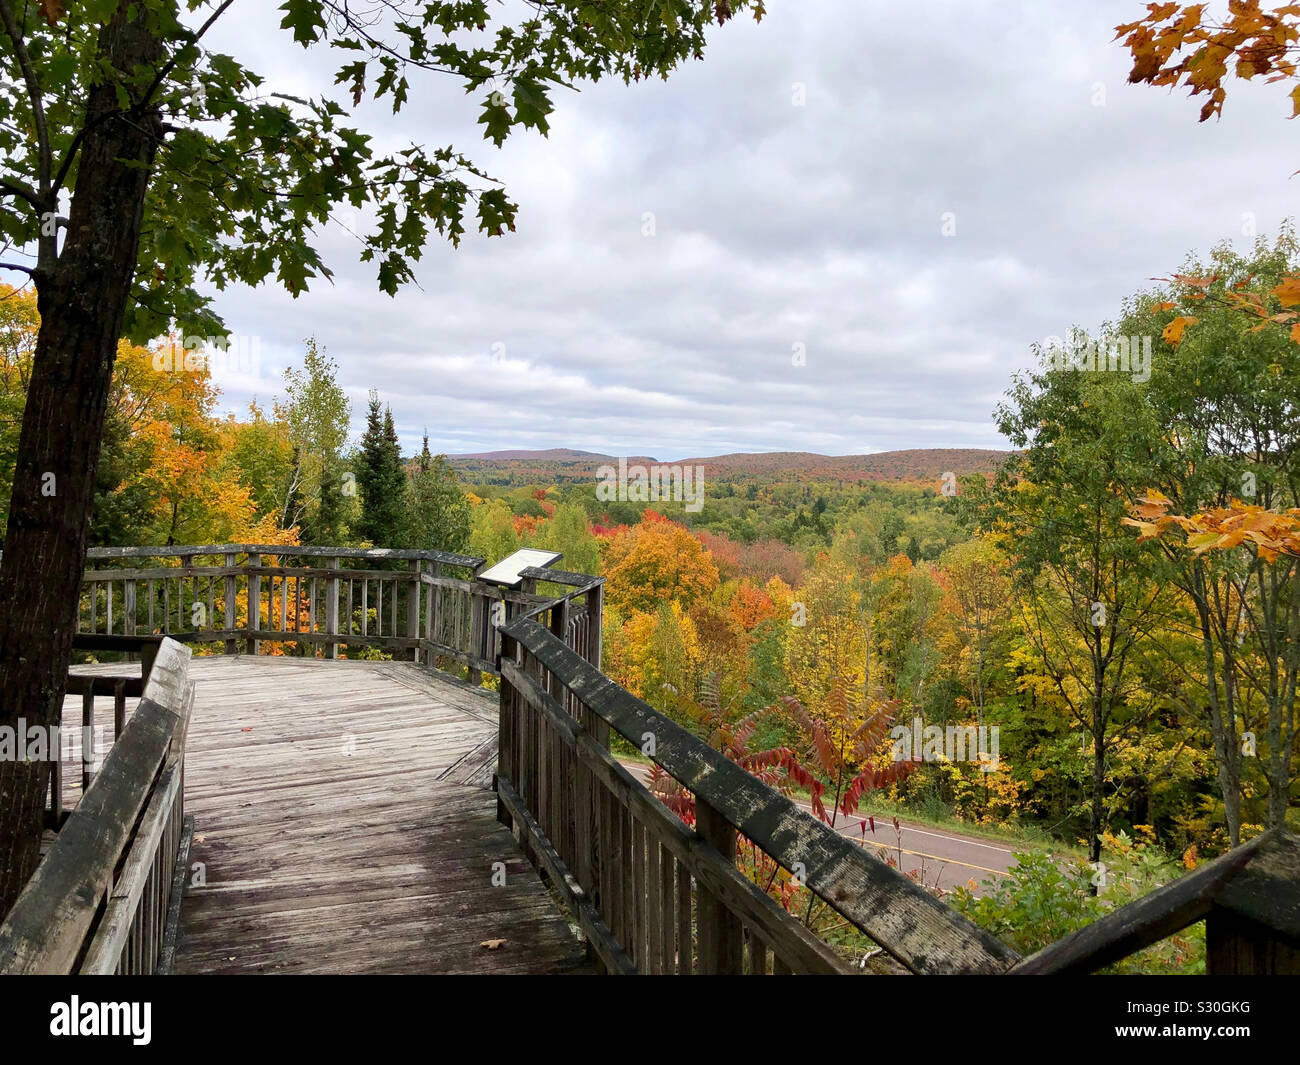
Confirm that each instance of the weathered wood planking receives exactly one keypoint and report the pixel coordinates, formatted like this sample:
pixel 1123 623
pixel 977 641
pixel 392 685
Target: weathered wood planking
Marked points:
pixel 317 860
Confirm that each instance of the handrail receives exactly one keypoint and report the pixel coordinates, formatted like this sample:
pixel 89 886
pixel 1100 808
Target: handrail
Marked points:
pixel 651 893
pixel 98 900
pixel 544 757
pixel 1249 899
pixel 299 551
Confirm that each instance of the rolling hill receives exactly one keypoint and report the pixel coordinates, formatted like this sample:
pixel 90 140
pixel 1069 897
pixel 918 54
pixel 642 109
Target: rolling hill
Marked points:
pixel 569 465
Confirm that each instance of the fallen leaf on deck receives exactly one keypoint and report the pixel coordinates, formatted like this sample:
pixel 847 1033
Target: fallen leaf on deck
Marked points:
pixel 492 944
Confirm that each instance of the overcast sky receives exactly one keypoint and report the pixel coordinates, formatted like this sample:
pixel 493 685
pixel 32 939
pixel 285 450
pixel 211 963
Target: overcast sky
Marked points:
pixel 777 225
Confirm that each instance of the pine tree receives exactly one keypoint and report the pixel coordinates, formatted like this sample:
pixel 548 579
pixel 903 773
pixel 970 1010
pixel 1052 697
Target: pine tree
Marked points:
pixel 381 479
pixel 437 510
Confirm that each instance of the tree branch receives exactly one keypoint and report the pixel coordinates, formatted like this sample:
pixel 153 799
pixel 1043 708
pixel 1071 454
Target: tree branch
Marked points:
pixel 170 65
pixel 22 190
pixel 33 92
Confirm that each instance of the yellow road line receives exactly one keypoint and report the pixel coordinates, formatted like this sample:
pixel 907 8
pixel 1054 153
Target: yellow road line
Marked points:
pixel 932 857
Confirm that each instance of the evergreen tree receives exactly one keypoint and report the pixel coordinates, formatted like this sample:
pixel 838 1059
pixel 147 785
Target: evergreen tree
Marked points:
pixel 437 510
pixel 381 479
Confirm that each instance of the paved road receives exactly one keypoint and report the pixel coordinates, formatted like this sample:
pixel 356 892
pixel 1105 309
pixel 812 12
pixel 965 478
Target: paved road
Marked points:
pixel 937 856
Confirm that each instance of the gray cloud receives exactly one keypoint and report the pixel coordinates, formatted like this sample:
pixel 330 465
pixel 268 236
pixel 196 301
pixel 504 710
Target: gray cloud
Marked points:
pixel 778 225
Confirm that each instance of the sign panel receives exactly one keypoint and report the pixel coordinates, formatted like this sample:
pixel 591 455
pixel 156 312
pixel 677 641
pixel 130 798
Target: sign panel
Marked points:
pixel 506 572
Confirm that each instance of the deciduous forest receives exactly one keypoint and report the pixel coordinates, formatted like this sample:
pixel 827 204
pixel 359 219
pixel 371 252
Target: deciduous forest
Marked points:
pixel 1112 595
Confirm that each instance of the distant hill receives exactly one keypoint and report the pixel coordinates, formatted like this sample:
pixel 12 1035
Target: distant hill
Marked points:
pixel 559 465
pixel 554 454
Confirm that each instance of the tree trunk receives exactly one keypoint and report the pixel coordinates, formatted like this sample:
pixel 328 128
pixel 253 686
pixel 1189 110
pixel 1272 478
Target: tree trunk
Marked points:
pixel 82 299
pixel 1096 819
pixel 1220 718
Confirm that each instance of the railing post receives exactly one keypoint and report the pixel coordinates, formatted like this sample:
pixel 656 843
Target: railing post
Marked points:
pixel 719 930
pixel 254 601
pixel 476 641
pixel 413 606
pixel 148 653
pixel 559 625
pixel 332 606
pixel 87 731
pixel 232 595
pixel 432 613
pixel 506 733
pixel 183 620
pixel 128 610
pixel 595 604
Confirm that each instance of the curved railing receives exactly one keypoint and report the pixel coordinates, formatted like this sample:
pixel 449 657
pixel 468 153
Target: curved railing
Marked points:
pixel 655 895
pixel 651 893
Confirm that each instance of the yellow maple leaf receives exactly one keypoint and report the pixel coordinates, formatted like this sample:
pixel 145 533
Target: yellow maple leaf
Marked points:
pixel 1288 292
pixel 1173 332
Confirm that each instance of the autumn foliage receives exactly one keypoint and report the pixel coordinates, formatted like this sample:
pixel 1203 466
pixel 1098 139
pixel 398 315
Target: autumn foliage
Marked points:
pixel 1267 533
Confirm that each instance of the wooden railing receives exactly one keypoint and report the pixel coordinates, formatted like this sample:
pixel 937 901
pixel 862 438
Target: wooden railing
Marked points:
pixel 101 899
pixel 91 686
pixel 423 605
pixel 653 895
pixel 1249 899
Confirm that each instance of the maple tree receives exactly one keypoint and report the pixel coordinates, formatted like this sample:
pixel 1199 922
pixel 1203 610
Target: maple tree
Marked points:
pixel 1183 45
pixel 1217 422
pixel 1088 604
pixel 657 561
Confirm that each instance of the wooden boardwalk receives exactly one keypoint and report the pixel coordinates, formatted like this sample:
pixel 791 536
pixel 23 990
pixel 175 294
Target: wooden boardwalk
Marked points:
pixel 345 823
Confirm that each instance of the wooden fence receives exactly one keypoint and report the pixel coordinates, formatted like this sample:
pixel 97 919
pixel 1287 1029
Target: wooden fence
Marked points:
pixel 651 893
pixel 100 900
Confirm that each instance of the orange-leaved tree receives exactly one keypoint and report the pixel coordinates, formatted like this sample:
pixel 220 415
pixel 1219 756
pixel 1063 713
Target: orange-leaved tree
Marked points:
pixel 657 561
